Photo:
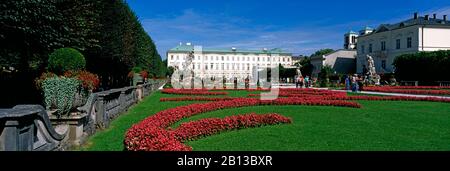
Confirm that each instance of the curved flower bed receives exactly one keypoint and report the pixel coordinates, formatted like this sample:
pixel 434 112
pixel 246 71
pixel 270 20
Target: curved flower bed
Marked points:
pixel 151 133
pixel 205 127
pixel 241 89
pixel 417 87
pixel 203 92
pixel 189 98
pixel 407 91
pixel 394 98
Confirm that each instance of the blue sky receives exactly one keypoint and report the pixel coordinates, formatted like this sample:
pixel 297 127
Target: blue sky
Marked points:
pixel 300 27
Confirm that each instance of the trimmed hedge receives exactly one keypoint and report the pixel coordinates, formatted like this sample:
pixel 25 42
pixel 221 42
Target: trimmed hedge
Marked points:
pixel 425 67
pixel 66 59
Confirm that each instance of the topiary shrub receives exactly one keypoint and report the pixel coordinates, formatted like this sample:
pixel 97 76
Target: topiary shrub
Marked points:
pixel 65 59
pixel 59 93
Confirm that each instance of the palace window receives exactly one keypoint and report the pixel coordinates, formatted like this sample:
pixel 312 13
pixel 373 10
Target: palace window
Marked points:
pixel 171 57
pixel 409 42
pixel 370 48
pixel 383 45
pixel 397 42
pixel 363 50
pixel 222 58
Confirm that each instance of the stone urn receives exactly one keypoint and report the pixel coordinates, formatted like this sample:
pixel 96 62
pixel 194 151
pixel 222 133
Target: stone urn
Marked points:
pixel 137 78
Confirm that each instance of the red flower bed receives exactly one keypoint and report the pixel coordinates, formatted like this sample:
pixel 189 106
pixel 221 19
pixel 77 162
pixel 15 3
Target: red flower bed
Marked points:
pixel 307 93
pixel 191 92
pixel 241 89
pixel 407 91
pixel 188 98
pixel 205 127
pixel 417 87
pixel 395 98
pixel 150 134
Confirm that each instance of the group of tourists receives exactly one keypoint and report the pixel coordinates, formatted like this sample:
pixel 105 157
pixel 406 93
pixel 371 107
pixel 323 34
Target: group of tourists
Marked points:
pixel 354 82
pixel 303 81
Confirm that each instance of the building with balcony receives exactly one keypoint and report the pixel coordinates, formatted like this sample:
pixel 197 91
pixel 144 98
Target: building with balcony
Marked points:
pixel 387 41
pixel 231 63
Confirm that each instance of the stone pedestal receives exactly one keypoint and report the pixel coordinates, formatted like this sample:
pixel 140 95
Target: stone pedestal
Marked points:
pixel 140 92
pixel 75 122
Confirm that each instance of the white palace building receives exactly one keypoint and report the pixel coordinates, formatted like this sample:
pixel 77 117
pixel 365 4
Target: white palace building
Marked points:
pixel 427 33
pixel 232 63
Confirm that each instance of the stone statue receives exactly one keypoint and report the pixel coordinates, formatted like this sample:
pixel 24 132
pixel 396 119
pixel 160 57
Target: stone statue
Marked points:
pixel 299 72
pixel 372 75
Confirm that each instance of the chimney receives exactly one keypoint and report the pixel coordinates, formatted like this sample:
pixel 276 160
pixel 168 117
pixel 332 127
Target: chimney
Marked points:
pixel 427 17
pixel 445 17
pixel 416 15
pixel 434 16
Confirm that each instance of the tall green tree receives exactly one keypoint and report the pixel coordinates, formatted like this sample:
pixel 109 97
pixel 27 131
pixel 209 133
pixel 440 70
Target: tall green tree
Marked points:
pixel 305 66
pixel 322 52
pixel 107 33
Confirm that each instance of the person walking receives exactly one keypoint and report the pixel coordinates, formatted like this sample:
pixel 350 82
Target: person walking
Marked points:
pixel 347 82
pixel 302 81
pixel 307 81
pixel 360 83
pixel 354 84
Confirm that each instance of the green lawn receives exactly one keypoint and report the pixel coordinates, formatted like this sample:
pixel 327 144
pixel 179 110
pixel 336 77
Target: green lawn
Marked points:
pixel 379 125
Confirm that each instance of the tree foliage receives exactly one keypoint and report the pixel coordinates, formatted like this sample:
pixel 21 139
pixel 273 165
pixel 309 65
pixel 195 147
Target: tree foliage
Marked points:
pixel 107 33
pixel 65 59
pixel 425 67
pixel 322 52
pixel 305 66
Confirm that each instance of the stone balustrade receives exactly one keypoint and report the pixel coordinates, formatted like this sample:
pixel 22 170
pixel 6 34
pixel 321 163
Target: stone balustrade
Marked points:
pixel 29 127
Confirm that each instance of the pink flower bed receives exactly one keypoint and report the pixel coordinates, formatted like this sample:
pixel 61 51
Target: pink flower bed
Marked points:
pixel 205 127
pixel 394 98
pixel 417 87
pixel 192 92
pixel 407 91
pixel 189 98
pixel 151 133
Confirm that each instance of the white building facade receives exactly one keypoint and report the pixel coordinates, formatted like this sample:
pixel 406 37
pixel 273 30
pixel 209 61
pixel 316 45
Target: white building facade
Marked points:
pixel 342 61
pixel 411 36
pixel 230 63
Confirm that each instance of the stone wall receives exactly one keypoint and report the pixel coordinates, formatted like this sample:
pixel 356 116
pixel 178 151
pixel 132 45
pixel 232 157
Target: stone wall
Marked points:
pixel 32 128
